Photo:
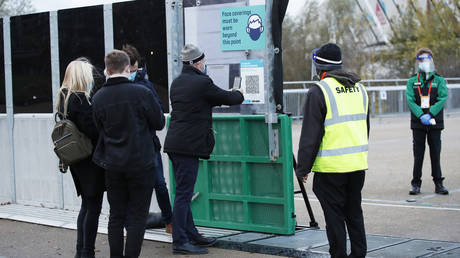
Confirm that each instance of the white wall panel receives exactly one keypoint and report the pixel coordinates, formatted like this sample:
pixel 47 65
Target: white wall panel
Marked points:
pixel 37 174
pixel 5 169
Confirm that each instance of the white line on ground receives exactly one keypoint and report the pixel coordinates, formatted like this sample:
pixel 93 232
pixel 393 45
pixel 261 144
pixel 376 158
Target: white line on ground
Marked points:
pixel 396 204
pixel 432 195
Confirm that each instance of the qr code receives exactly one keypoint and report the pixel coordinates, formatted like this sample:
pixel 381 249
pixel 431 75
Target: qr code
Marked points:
pixel 252 84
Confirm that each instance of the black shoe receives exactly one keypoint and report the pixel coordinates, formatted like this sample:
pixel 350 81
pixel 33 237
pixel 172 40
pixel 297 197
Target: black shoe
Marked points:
pixel 188 248
pixel 440 189
pixel 204 241
pixel 415 190
pixel 154 220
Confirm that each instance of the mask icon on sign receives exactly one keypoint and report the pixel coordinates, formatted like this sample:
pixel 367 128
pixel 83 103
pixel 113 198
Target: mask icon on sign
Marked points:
pixel 255 27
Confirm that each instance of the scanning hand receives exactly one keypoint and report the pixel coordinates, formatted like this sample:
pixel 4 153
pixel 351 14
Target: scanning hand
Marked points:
pixel 425 119
pixel 240 90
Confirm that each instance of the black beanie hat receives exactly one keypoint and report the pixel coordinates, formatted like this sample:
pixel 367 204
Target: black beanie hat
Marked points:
pixel 328 57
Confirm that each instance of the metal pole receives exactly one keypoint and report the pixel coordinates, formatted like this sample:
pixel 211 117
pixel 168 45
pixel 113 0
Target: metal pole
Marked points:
pixel 9 101
pixel 271 117
pixel 373 104
pixel 55 82
pixel 108 28
pixel 299 103
pixel 175 38
pixel 401 99
pixel 313 223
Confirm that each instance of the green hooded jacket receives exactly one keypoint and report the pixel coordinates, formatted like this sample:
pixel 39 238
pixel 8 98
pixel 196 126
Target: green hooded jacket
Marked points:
pixel 438 97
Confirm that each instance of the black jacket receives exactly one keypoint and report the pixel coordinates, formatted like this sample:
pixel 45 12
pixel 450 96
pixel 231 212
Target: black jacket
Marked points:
pixel 125 114
pixel 87 176
pixel 141 78
pixel 313 121
pixel 193 94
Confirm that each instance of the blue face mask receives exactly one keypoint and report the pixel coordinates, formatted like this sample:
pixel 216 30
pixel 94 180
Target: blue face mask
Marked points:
pixel 205 69
pixel 132 76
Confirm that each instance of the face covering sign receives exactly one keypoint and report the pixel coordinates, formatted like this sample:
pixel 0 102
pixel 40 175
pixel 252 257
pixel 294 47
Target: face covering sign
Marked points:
pixel 242 28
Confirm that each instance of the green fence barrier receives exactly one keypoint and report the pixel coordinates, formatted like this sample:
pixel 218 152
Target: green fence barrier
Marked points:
pixel 239 187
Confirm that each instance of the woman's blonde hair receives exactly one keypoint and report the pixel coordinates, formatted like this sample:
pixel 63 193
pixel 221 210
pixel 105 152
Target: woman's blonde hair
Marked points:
pixel 78 76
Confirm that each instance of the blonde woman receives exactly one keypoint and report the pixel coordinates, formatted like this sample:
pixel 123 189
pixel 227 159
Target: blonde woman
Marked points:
pixel 73 98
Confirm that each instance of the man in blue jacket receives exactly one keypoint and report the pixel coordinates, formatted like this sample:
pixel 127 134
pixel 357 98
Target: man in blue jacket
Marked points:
pixel 139 76
pixel 190 137
pixel 125 114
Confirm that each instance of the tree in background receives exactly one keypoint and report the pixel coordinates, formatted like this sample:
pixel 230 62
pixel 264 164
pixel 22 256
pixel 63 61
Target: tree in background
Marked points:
pixel 437 27
pixel 332 21
pixel 301 35
pixel 15 7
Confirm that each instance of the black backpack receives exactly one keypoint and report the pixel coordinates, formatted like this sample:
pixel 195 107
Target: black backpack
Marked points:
pixel 70 145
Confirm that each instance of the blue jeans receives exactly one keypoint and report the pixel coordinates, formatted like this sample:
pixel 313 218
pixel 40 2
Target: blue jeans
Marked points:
pixel 161 192
pixel 185 173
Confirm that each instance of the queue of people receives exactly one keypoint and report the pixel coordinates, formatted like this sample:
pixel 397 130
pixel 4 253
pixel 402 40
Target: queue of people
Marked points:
pixel 121 119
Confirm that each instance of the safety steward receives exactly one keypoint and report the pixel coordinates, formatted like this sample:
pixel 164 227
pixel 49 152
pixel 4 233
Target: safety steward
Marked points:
pixel 426 94
pixel 334 145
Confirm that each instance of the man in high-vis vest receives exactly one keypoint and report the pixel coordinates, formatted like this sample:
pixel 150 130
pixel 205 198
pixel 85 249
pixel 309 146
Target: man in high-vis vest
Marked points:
pixel 334 145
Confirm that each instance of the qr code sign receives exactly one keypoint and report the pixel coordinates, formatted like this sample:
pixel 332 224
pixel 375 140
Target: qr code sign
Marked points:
pixel 252 84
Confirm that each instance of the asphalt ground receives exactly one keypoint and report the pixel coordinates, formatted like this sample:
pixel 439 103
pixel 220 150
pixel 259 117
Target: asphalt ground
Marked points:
pixel 385 195
pixel 386 190
pixel 25 240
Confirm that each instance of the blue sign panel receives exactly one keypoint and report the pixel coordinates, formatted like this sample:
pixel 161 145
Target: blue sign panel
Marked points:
pixel 242 28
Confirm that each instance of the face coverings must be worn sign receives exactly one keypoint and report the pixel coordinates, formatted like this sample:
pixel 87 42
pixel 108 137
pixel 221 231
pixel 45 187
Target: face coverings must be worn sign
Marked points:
pixel 252 75
pixel 242 28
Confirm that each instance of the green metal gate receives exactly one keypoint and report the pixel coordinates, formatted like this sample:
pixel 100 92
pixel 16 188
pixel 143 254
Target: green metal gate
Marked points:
pixel 239 187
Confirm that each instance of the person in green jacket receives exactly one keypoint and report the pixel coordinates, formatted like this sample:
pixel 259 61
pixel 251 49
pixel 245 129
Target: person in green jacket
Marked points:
pixel 426 94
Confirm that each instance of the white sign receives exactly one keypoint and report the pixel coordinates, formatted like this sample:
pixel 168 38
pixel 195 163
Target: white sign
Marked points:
pixel 383 94
pixel 252 81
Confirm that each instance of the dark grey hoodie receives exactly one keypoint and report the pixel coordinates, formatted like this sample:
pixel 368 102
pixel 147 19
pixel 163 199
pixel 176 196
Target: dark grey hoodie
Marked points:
pixel 313 121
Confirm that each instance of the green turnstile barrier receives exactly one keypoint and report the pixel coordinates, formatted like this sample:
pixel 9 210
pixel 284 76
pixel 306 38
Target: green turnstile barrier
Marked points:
pixel 239 187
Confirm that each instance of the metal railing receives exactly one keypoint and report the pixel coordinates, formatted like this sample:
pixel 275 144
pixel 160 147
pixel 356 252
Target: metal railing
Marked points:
pixel 387 96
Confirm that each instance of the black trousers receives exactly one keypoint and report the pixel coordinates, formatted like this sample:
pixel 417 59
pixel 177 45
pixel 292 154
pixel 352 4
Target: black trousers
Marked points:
pixel 340 197
pixel 129 194
pixel 185 173
pixel 419 138
pixel 87 223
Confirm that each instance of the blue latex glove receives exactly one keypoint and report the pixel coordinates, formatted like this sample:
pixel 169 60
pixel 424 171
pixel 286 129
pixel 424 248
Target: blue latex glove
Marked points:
pixel 425 119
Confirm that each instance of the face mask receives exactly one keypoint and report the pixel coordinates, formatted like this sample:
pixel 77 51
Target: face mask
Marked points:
pixel 205 69
pixel 425 63
pixel 132 76
pixel 426 67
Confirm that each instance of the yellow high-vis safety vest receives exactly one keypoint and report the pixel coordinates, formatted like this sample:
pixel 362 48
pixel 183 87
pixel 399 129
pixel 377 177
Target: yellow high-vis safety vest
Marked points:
pixel 344 145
